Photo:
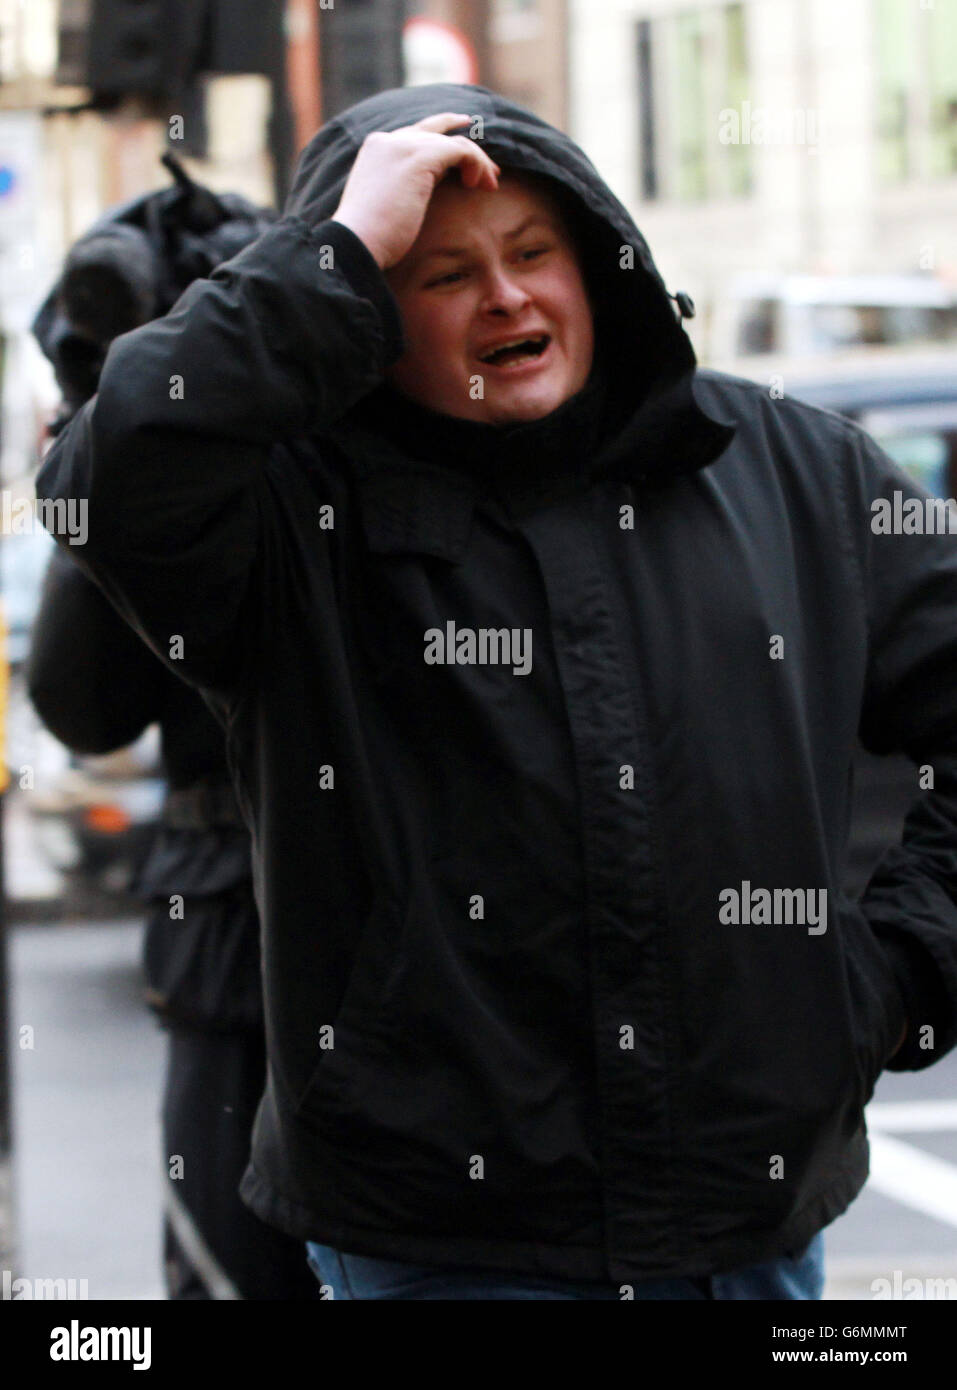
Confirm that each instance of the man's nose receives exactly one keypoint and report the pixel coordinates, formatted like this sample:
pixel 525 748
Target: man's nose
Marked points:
pixel 503 293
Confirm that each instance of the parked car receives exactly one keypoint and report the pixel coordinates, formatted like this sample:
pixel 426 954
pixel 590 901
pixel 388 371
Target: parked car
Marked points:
pixel 761 317
pixel 97 819
pixel 24 556
pixel 93 818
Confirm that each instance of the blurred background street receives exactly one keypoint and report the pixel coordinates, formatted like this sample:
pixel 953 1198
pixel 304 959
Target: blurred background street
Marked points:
pixel 87 1177
pixel 793 165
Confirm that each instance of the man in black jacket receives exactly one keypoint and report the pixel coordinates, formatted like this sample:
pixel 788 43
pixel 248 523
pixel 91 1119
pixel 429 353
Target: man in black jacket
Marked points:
pixel 541 657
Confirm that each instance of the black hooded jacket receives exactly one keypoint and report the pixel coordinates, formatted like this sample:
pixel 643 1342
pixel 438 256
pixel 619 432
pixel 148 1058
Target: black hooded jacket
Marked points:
pixel 525 1006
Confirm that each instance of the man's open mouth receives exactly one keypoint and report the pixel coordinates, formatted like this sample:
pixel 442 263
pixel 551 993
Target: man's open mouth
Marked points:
pixel 516 350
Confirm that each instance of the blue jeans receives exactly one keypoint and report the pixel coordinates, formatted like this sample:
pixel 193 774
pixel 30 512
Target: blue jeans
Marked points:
pixel 360 1276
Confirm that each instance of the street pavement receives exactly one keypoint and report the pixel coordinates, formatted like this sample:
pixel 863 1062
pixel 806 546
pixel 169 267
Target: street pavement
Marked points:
pixel 87 1149
pixel 87 1163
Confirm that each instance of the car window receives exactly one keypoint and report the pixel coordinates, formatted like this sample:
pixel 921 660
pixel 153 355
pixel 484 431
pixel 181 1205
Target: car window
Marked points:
pixel 834 326
pixel 23 562
pixel 922 439
pixel 923 456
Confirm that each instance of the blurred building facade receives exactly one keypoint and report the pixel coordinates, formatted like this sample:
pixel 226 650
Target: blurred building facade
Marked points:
pixel 780 135
pixel 65 158
pixel 770 135
pixel 520 47
pixel 529 55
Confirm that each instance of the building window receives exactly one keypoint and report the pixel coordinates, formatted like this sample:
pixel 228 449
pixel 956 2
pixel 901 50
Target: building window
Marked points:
pixel 942 22
pixel 647 134
pixel 738 156
pixel 690 105
pixel 515 21
pixel 896 80
pixel 691 66
pixel 916 75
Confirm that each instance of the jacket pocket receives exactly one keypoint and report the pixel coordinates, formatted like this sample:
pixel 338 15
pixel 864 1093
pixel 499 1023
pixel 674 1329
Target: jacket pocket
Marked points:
pixel 363 1026
pixel 877 1009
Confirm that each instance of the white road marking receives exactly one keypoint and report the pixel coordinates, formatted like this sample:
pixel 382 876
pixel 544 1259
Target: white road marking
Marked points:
pixel 918 1179
pixel 913 1115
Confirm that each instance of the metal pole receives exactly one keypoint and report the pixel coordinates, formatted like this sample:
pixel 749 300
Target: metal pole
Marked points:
pixel 281 131
pixel 303 69
pixel 7 1238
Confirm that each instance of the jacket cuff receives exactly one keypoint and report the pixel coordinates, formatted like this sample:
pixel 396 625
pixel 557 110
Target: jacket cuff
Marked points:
pixel 361 269
pixel 925 1000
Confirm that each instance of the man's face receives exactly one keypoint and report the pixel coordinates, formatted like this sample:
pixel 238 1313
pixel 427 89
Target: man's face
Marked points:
pixel 492 268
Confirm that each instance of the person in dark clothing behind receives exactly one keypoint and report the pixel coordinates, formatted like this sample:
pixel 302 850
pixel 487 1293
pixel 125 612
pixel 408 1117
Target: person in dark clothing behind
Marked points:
pixel 97 686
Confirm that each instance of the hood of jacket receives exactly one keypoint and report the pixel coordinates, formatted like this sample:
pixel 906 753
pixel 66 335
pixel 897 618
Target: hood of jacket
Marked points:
pixel 654 423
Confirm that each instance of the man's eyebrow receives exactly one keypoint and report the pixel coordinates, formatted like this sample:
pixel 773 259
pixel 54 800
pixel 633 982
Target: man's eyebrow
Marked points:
pixel 444 251
pixel 534 220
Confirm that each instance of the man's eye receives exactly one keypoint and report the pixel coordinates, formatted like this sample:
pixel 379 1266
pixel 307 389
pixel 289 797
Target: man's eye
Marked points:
pixel 448 279
pixel 532 252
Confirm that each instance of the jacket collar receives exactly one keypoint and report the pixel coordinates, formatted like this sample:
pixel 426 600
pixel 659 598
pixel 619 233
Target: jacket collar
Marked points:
pixel 416 508
pixel 411 505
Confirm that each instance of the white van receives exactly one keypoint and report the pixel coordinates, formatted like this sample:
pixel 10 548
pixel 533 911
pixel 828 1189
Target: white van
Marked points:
pixel 801 317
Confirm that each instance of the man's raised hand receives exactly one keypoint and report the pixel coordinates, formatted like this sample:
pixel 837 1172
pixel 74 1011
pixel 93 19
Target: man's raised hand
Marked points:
pixel 394 175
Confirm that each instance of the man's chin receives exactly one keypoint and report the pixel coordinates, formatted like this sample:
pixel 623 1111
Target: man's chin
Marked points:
pixel 520 409
pixel 508 405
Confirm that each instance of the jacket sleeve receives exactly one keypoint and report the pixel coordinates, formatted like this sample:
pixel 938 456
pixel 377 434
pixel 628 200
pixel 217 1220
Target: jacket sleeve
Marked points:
pixel 910 706
pixel 168 457
pixel 93 682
